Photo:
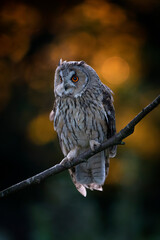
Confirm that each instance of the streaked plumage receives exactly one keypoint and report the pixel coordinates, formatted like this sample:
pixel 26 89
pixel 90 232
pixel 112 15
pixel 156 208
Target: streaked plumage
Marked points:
pixel 83 116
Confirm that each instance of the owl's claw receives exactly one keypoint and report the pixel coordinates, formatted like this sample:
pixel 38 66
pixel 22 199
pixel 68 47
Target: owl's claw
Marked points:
pixel 71 155
pixel 94 144
pixel 64 161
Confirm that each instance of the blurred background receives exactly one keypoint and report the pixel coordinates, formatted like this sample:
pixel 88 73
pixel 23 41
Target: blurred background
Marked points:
pixel 121 41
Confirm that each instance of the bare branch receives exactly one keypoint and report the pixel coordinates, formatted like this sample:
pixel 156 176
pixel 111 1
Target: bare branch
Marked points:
pixel 115 140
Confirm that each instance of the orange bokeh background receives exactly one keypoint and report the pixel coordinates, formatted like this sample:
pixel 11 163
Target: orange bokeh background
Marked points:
pixel 120 41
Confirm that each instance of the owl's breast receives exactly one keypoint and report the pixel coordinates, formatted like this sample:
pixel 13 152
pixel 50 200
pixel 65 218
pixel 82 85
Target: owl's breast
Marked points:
pixel 77 124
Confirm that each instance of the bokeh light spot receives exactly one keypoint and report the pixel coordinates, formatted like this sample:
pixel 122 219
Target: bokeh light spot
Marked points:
pixel 21 21
pixel 115 70
pixel 40 130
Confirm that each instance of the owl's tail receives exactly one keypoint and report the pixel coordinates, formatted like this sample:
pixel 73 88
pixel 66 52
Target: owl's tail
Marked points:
pixel 78 185
pixel 91 174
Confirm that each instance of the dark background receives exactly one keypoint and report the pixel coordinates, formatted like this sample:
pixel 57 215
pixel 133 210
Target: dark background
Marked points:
pixel 120 40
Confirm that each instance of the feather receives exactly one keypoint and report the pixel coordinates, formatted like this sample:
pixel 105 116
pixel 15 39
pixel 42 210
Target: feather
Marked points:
pixel 110 112
pixel 60 62
pixel 83 114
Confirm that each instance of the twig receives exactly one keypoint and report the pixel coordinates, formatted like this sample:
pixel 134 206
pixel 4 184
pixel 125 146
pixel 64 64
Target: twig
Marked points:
pixel 115 140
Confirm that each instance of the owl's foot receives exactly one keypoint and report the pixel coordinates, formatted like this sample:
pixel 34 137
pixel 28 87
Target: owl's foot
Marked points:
pixel 64 161
pixel 94 144
pixel 71 155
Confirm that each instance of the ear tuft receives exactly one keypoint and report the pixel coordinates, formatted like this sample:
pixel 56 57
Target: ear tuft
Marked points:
pixel 60 62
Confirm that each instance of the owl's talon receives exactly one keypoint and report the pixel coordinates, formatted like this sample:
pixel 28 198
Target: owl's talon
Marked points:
pixel 73 153
pixel 94 144
pixel 64 161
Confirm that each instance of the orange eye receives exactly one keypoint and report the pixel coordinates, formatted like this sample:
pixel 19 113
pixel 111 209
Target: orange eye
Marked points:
pixel 60 79
pixel 75 78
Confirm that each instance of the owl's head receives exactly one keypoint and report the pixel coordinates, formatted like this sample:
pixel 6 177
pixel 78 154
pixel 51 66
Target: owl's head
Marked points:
pixel 72 78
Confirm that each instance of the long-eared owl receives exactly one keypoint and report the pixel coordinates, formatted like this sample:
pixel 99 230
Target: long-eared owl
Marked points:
pixel 83 116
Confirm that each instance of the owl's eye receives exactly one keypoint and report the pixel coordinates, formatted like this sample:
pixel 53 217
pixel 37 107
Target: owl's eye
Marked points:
pixel 75 78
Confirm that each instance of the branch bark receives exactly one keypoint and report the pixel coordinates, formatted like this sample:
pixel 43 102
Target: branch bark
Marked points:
pixel 115 140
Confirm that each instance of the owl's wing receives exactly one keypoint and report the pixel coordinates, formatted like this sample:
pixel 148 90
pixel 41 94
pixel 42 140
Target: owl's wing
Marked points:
pixel 110 112
pixel 52 119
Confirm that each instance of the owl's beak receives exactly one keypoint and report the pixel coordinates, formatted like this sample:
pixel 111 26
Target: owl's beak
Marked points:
pixel 65 89
pixel 68 89
pixel 68 85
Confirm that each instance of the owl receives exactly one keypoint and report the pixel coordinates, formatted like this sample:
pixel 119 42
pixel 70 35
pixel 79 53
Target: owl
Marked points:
pixel 83 116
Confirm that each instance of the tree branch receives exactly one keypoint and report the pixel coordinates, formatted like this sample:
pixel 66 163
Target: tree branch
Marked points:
pixel 115 140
